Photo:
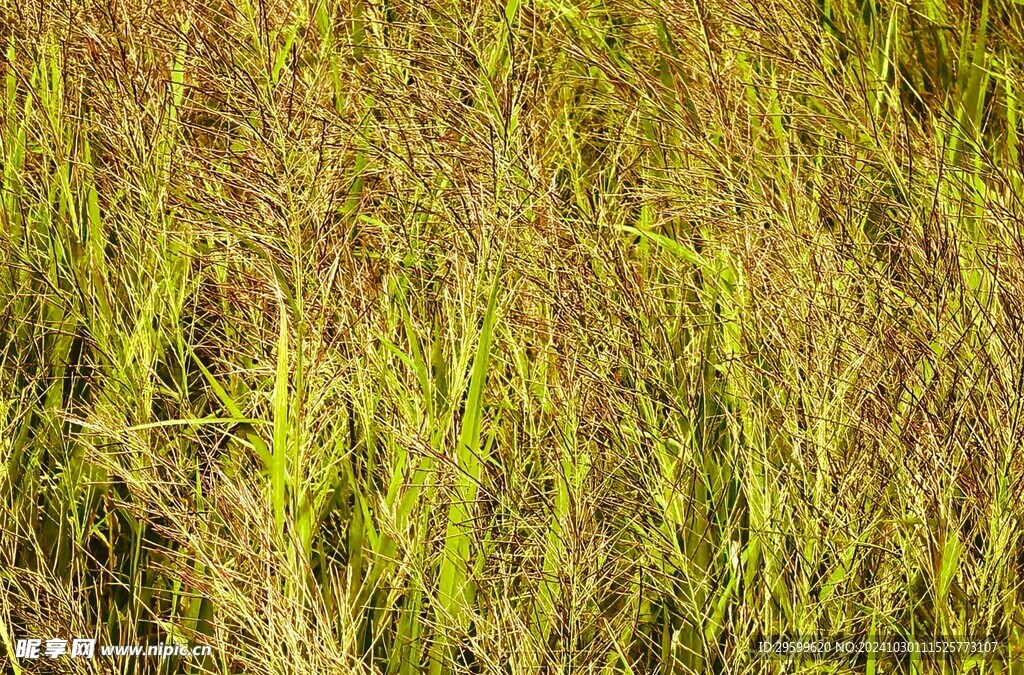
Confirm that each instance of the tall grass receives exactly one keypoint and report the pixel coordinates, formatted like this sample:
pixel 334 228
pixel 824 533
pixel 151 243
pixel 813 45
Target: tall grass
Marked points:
pixel 393 337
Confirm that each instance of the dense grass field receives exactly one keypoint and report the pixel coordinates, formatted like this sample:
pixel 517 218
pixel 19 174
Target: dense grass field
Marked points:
pixel 447 336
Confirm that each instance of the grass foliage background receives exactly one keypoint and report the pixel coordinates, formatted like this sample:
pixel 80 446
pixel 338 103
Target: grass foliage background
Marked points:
pixel 354 336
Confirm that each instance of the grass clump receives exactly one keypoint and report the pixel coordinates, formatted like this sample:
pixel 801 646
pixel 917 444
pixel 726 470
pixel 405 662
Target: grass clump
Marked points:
pixel 454 337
